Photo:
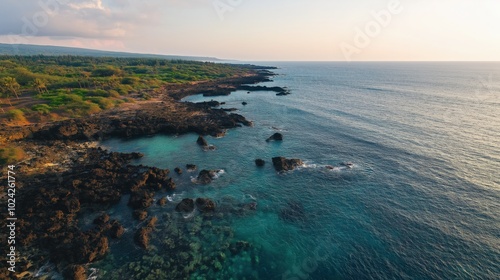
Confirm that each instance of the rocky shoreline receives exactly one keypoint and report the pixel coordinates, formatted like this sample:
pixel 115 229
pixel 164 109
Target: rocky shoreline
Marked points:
pixel 64 174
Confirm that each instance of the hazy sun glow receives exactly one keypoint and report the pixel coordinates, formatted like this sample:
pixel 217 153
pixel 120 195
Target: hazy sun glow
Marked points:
pixel 264 30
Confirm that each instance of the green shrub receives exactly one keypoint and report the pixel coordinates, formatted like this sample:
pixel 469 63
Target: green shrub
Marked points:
pixel 10 155
pixel 98 92
pixel 16 115
pixel 42 108
pixel 113 93
pixel 78 109
pixel 124 89
pixel 79 91
pixel 106 72
pixel 105 103
pixel 61 97
pixel 131 80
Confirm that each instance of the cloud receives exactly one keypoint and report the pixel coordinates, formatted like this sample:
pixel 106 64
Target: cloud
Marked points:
pixel 78 18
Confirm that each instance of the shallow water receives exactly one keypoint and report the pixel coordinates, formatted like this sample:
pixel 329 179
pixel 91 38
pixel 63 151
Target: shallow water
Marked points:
pixel 422 200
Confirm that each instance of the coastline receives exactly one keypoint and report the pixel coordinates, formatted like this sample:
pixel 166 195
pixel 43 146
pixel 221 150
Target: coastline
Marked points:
pixel 65 175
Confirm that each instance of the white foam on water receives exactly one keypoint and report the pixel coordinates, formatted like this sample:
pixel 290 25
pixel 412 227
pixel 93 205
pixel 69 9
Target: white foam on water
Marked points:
pixel 219 173
pixel 189 215
pixel 93 274
pixel 175 197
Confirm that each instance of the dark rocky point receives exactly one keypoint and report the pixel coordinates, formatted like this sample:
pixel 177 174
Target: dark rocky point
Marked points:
pixel 201 141
pixel 244 103
pixel 186 205
pixel 205 204
pixel 284 164
pixel 191 167
pixel 275 137
pixel 206 176
pixel 178 170
pixel 260 162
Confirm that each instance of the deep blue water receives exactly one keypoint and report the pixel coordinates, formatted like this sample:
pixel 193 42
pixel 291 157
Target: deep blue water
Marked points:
pixel 423 198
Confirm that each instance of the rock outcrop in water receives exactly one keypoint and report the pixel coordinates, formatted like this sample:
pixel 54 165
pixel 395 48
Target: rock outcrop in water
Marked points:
pixel 191 167
pixel 284 164
pixel 278 90
pixel 201 141
pixel 206 176
pixel 178 170
pixel 205 205
pixel 260 162
pixel 75 272
pixel 142 235
pixel 275 137
pixel 186 205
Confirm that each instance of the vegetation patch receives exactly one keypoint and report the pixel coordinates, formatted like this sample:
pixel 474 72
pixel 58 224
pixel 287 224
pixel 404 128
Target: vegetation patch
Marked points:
pixel 73 86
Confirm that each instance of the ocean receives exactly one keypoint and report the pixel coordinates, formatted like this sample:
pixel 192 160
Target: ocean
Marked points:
pixel 421 201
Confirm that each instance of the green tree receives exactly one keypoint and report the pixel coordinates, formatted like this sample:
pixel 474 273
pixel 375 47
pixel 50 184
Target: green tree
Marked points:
pixel 11 85
pixel 40 85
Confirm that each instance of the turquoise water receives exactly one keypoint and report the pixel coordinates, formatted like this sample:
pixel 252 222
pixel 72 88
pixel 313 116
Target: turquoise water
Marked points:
pixel 421 202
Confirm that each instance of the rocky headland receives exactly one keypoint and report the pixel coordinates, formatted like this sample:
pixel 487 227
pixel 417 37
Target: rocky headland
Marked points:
pixel 65 175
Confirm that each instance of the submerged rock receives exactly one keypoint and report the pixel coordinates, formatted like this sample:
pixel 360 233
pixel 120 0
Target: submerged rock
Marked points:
pixel 275 137
pixel 239 246
pixel 293 212
pixel 178 170
pixel 141 199
pixel 186 205
pixel 162 201
pixel 284 164
pixel 190 167
pixel 260 162
pixel 140 215
pixel 205 204
pixel 101 220
pixel 141 237
pixel 244 103
pixel 117 230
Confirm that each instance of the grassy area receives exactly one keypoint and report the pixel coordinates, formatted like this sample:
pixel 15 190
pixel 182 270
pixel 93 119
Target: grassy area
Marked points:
pixel 74 86
pixel 10 155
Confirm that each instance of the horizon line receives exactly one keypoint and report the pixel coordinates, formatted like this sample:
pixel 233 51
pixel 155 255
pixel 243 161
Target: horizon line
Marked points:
pixel 242 60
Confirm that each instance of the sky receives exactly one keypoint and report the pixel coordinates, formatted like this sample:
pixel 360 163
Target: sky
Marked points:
pixel 259 30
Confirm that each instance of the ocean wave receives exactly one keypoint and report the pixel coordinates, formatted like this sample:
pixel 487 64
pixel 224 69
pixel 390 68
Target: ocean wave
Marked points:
pixel 219 173
pixel 175 197
pixel 335 168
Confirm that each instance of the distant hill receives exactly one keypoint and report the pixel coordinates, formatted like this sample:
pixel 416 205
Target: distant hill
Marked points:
pixel 8 49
